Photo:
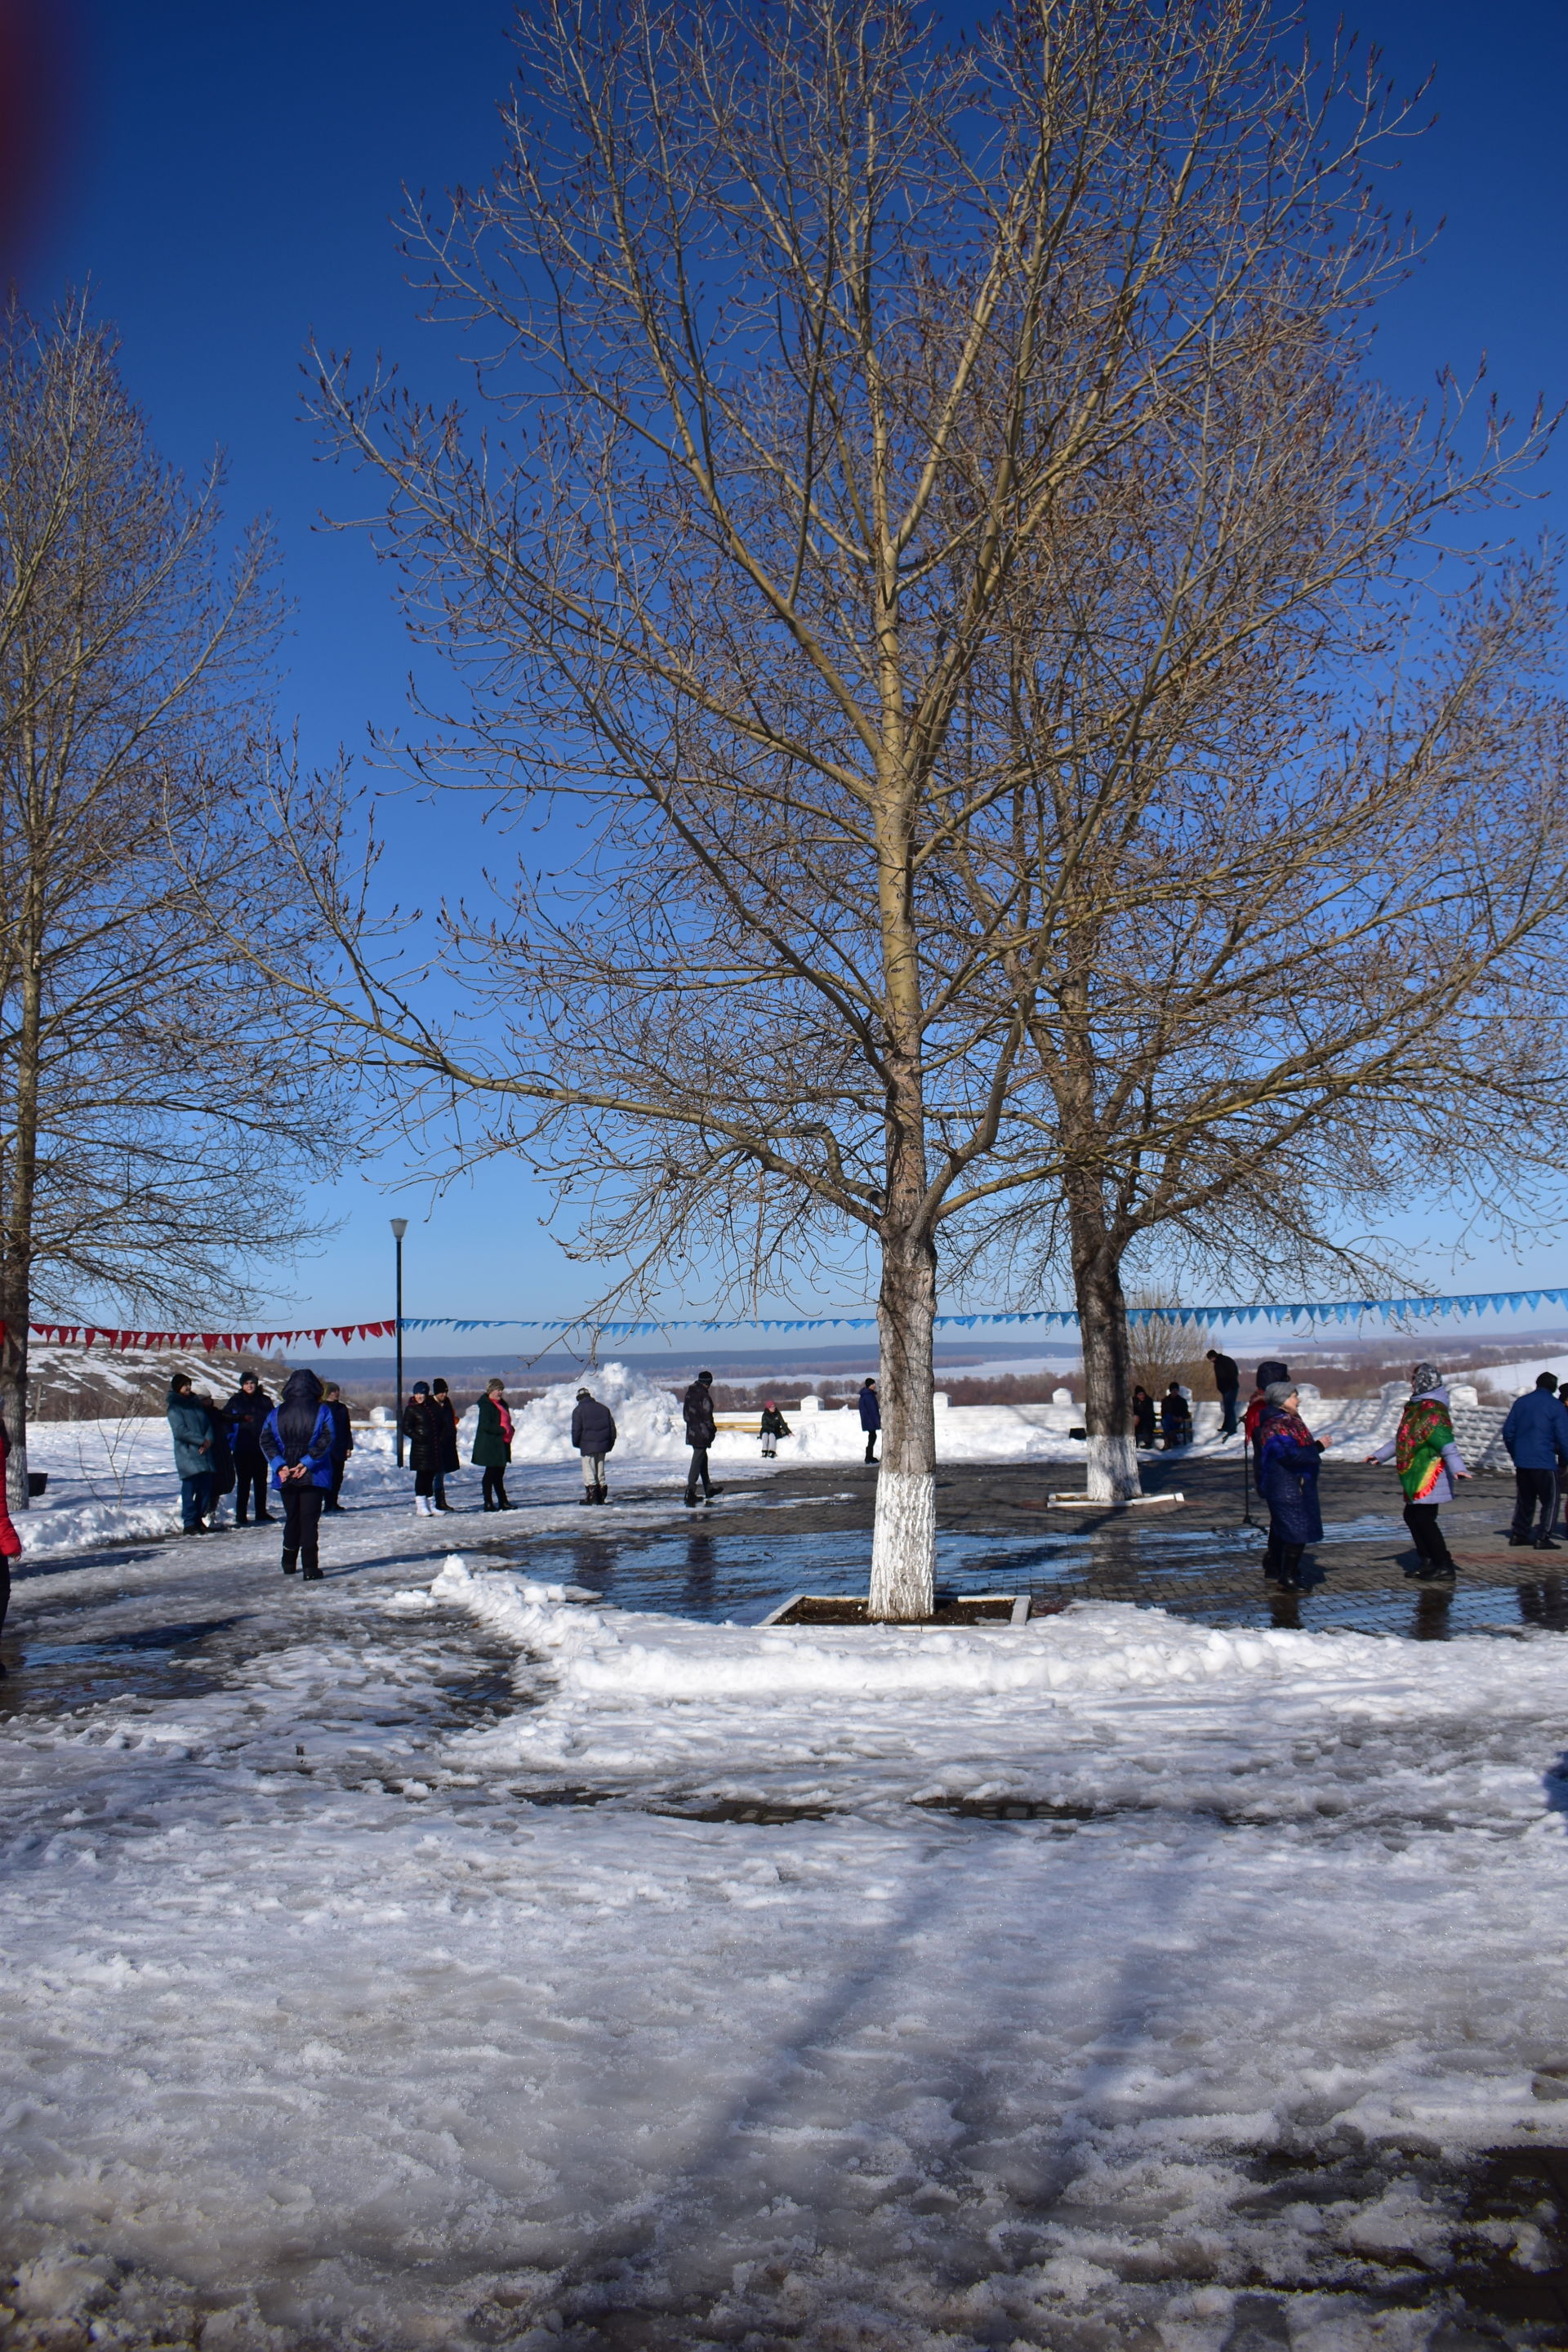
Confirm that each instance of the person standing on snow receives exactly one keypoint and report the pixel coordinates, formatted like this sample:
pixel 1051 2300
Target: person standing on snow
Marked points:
pixel 342 1443
pixel 221 1476
pixel 296 1439
pixel 492 1445
pixel 1536 1436
pixel 1288 1461
pixel 192 1453
pixel 594 1435
pixel 870 1416
pixel 1424 1452
pixel 774 1427
pixel 247 1409
pixel 422 1431
pixel 697 1405
pixel 1227 1381
pixel 10 1541
pixel 446 1413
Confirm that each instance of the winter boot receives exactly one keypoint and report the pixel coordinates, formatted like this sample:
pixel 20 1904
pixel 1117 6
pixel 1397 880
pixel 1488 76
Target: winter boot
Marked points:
pixel 290 1562
pixel 590 1494
pixel 601 1494
pixel 1291 1564
pixel 442 1504
pixel 312 1575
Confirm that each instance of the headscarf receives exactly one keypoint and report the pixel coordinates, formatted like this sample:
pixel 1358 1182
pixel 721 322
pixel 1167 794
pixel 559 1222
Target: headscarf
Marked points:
pixel 1424 1377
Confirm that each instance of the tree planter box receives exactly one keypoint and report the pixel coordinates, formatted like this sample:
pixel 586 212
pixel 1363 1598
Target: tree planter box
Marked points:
pixel 821 1610
pixel 1087 1502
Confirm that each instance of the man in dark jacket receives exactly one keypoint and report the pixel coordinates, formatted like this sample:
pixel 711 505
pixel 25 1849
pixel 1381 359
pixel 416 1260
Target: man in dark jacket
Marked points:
pixel 342 1443
pixel 220 1477
pixel 247 1409
pixel 697 1405
pixel 1536 1436
pixel 870 1416
pixel 594 1435
pixel 1227 1381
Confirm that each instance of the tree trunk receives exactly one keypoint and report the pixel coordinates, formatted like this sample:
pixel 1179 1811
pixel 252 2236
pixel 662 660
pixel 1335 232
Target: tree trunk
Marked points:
pixel 1107 1358
pixel 903 1547
pixel 14 1307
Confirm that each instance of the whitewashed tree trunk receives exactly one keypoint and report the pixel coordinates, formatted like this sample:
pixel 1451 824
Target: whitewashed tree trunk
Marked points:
pixel 1106 1361
pixel 903 1545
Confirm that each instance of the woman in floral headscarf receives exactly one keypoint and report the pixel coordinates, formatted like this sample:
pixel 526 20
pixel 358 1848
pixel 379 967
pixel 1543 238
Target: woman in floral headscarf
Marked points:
pixel 1428 1461
pixel 1288 1459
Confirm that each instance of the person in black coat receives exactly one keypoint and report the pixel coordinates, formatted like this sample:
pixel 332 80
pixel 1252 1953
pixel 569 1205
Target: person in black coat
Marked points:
pixel 446 1413
pixel 594 1435
pixel 870 1416
pixel 1142 1417
pixel 221 1478
pixel 342 1443
pixel 697 1405
pixel 247 1411
pixel 422 1432
pixel 1227 1381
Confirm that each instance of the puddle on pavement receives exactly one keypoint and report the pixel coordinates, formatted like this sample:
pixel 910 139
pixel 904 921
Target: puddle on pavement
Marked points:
pixel 150 1663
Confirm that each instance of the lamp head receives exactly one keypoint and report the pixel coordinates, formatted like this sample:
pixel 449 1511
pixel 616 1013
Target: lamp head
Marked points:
pixel 399 1226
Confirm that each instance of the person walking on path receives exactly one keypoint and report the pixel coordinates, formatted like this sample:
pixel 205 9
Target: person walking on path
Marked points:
pixel 342 1443
pixel 1227 1381
pixel 594 1435
pixel 1289 1457
pixel 193 1438
pixel 10 1541
pixel 1536 1437
pixel 1176 1418
pixel 774 1427
pixel 870 1416
pixel 221 1476
pixel 697 1405
pixel 1429 1460
pixel 247 1408
pixel 492 1445
pixel 446 1413
pixel 422 1432
pixel 296 1439
pixel 1142 1417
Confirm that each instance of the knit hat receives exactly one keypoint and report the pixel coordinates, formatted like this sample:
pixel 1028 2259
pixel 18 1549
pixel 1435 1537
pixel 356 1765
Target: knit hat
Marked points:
pixel 421 1388
pixel 584 1392
pixel 1279 1391
pixel 1425 1377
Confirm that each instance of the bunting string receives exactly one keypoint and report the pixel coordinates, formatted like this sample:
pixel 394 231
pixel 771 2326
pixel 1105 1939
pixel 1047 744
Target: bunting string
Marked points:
pixel 1273 1312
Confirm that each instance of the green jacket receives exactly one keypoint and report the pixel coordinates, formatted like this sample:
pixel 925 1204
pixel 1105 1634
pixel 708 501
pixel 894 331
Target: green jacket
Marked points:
pixel 491 1450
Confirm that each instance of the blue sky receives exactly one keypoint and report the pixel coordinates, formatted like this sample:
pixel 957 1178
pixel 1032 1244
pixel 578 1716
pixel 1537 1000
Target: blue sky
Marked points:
pixel 225 179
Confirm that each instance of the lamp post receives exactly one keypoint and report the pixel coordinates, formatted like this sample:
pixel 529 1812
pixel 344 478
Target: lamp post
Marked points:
pixel 399 1227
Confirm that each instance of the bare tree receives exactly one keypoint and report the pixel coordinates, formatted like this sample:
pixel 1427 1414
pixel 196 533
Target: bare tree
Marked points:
pixel 148 1135
pixel 814 351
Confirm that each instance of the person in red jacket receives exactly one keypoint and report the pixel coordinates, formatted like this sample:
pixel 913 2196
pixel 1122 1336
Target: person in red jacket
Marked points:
pixel 10 1541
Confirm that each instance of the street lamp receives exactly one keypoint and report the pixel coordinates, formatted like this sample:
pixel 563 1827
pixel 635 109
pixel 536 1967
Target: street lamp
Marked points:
pixel 399 1227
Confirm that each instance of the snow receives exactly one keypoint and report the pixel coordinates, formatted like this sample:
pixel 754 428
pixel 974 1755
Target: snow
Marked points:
pixel 1519 1375
pixel 397 1971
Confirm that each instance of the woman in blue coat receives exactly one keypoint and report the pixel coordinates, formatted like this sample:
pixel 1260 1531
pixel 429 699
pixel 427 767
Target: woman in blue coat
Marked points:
pixel 1288 1459
pixel 297 1438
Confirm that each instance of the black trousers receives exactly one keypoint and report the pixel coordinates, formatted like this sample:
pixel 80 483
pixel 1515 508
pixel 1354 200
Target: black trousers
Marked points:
pixel 1421 1518
pixel 1532 1487
pixel 340 1464
pixel 424 1481
pixel 699 1472
pixel 1228 1397
pixel 303 1500
pixel 492 1490
pixel 871 1437
pixel 249 1474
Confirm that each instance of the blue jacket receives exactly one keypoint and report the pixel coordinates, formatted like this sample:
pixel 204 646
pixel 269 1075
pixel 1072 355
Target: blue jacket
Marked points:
pixel 1536 1431
pixel 318 1454
pixel 191 1433
pixel 871 1411
pixel 1288 1482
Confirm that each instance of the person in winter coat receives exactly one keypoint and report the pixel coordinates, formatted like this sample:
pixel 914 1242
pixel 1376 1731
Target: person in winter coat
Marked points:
pixel 222 1472
pixel 1536 1437
pixel 296 1439
pixel 247 1409
pixel 696 1406
pixel 870 1416
pixel 446 1413
pixel 422 1434
pixel 594 1435
pixel 492 1445
pixel 1286 1471
pixel 342 1443
pixel 1142 1417
pixel 1176 1418
pixel 191 1433
pixel 774 1427
pixel 1424 1452
pixel 10 1541
pixel 1227 1381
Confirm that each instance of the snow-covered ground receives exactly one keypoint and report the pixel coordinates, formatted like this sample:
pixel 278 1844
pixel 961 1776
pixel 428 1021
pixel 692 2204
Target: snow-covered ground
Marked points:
pixel 395 1965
